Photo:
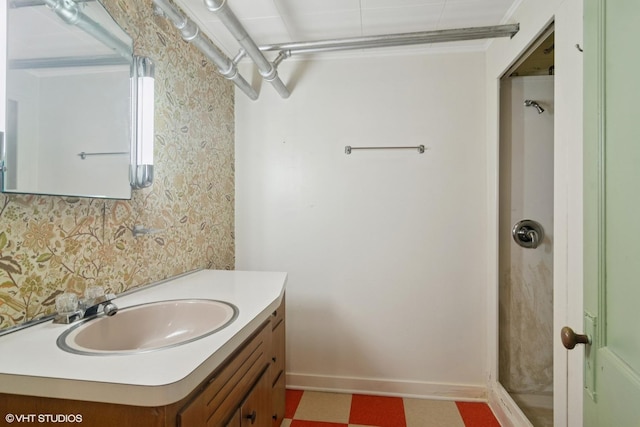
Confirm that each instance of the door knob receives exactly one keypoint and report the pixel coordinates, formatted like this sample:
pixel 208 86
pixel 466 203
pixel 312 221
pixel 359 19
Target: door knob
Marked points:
pixel 527 233
pixel 570 339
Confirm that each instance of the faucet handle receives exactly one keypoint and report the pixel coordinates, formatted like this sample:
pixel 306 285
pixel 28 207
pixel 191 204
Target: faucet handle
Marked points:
pixel 70 308
pixel 67 305
pixel 93 292
pixel 67 302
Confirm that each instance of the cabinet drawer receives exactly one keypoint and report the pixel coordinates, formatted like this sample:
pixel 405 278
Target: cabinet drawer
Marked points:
pixel 230 384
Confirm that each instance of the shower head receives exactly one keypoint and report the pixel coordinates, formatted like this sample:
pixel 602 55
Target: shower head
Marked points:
pixel 531 103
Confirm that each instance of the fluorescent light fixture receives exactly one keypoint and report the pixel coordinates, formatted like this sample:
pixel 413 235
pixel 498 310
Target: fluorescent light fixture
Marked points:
pixel 143 107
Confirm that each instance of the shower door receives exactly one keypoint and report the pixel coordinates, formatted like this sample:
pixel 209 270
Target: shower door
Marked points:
pixel 612 212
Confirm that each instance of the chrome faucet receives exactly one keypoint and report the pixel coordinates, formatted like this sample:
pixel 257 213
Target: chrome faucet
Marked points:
pixel 87 308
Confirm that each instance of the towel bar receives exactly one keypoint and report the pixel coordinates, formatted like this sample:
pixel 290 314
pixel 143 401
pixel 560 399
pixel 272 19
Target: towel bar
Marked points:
pixel 348 148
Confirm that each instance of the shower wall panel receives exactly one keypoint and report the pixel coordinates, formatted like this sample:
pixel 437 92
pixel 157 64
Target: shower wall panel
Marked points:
pixel 526 275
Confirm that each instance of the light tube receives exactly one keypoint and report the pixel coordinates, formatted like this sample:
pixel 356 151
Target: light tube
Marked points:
pixel 143 98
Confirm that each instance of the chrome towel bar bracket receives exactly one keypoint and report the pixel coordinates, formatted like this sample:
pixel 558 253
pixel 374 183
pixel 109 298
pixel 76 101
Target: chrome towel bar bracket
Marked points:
pixel 348 148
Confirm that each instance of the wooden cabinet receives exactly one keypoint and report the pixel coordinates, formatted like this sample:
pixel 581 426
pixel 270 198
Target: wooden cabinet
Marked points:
pixel 246 390
pixel 256 374
pixel 278 365
pixel 221 397
pixel 256 409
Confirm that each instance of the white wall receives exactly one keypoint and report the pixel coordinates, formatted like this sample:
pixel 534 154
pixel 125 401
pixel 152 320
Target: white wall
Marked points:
pixel 25 91
pixel 534 17
pixel 93 99
pixel 64 113
pixel 385 250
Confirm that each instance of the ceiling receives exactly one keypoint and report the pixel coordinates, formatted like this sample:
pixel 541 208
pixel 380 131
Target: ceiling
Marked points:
pixel 35 31
pixel 279 21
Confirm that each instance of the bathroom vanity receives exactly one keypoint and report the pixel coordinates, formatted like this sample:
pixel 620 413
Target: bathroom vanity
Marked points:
pixel 233 377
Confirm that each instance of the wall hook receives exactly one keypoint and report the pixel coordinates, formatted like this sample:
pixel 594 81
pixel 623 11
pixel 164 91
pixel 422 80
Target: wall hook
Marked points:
pixel 579 48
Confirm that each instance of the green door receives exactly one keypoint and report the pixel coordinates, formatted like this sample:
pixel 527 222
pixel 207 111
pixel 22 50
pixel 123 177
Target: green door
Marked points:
pixel 612 213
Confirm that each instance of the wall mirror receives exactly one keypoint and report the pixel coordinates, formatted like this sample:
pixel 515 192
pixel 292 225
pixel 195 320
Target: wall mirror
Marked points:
pixel 69 108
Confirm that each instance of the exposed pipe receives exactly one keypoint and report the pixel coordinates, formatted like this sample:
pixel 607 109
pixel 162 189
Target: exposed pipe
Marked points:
pixel 15 4
pixel 68 61
pixel 70 13
pixel 389 40
pixel 267 70
pixel 191 34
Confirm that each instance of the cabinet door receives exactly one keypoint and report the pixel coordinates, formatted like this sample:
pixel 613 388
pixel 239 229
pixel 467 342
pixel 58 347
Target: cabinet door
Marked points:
pixel 256 409
pixel 279 403
pixel 277 373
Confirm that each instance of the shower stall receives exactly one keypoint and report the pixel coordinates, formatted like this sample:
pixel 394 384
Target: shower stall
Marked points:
pixel 526 244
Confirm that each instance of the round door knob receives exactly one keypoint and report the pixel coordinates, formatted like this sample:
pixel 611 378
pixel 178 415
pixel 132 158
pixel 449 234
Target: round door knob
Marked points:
pixel 570 339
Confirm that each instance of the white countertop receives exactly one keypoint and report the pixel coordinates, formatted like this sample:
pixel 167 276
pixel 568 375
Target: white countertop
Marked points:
pixel 32 364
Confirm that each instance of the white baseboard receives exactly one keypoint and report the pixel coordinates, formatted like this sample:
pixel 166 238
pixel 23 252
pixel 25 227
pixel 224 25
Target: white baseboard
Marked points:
pixel 400 388
pixel 505 408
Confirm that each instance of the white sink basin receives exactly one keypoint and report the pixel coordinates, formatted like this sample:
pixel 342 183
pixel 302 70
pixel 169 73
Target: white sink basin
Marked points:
pixel 148 327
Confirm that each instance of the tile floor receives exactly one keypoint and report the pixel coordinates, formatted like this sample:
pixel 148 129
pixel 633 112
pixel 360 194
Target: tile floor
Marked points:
pixel 319 409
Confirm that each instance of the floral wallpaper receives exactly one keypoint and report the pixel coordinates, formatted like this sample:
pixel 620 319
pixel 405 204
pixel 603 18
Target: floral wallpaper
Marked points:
pixel 49 245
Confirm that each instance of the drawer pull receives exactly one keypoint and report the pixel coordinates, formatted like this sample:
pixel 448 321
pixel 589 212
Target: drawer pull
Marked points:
pixel 252 417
